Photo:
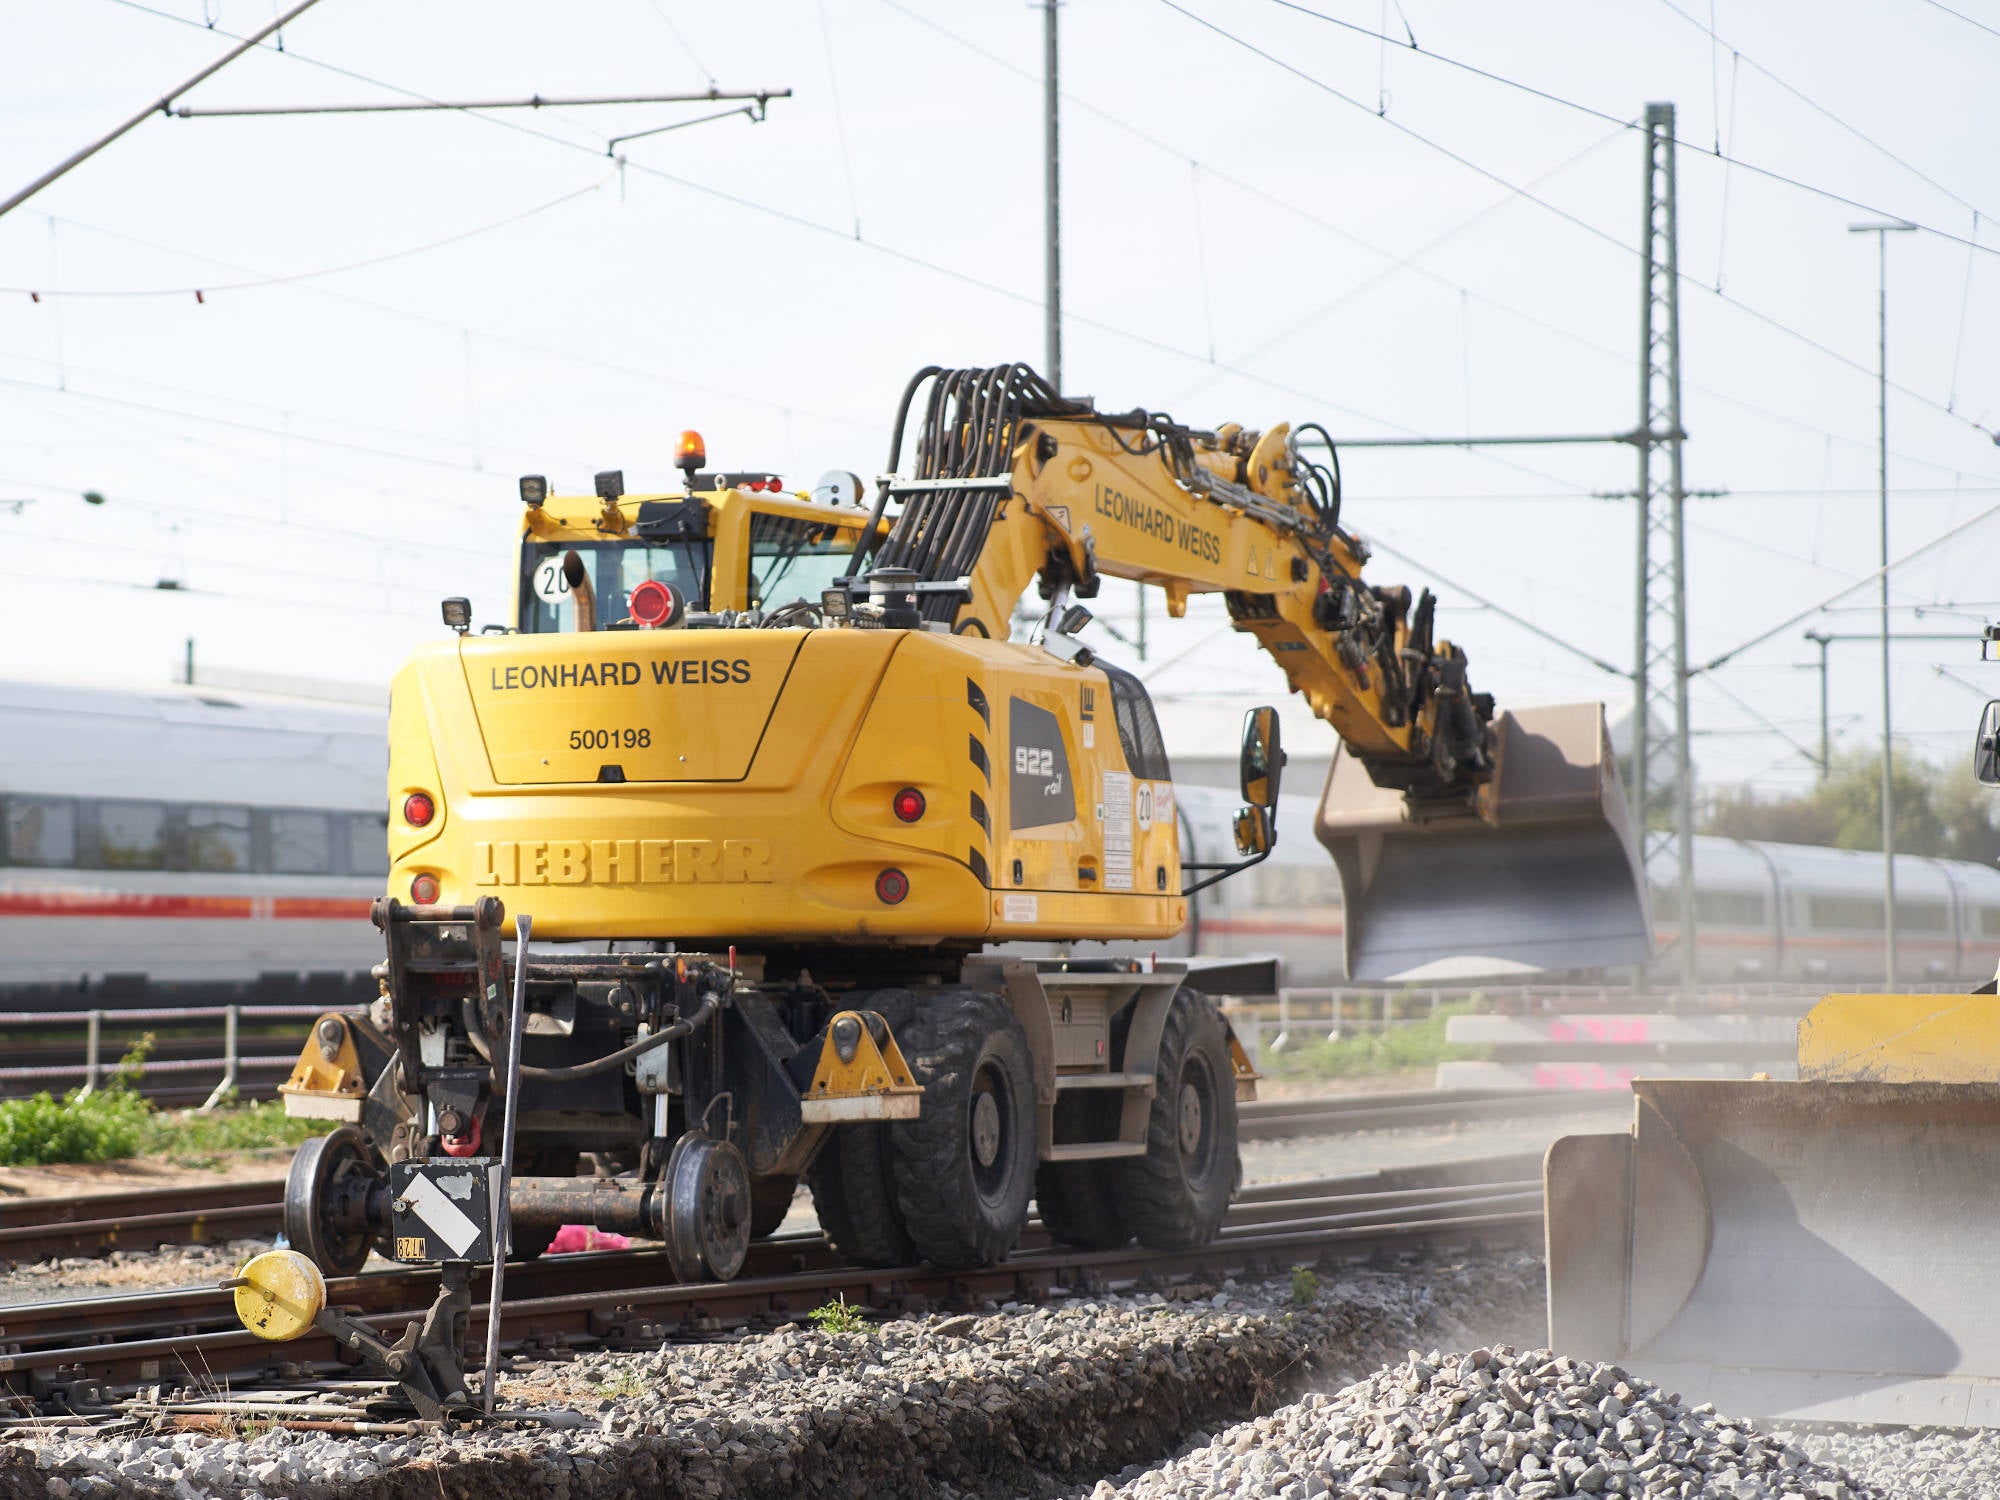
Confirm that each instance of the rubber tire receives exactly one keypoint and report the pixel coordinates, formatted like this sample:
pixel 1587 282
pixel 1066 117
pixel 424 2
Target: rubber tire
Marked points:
pixel 954 1043
pixel 1171 1199
pixel 770 1201
pixel 850 1178
pixel 532 1244
pixel 1077 1205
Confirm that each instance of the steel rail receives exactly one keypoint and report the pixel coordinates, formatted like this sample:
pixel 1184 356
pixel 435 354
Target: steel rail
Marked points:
pixel 93 1224
pixel 188 1336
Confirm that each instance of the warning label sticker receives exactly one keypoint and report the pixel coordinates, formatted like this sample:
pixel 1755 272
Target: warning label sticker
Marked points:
pixel 1018 908
pixel 1117 831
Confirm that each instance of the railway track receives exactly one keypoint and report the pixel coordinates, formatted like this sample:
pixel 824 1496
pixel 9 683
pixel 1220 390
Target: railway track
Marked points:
pixel 141 1219
pixel 81 1353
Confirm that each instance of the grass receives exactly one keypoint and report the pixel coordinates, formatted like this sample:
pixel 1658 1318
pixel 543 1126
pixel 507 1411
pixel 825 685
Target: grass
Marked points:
pixel 115 1122
pixel 1402 1048
pixel 1305 1286
pixel 837 1317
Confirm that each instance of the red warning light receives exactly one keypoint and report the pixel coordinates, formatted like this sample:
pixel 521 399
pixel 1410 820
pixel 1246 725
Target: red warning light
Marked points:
pixel 891 886
pixel 909 804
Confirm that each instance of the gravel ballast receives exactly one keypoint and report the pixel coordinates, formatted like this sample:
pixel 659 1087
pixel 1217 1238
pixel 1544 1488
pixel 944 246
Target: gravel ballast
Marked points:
pixel 1496 1423
pixel 1012 1401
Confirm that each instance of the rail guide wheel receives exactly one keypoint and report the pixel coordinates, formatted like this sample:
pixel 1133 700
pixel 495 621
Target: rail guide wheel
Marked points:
pixel 707 1187
pixel 326 1201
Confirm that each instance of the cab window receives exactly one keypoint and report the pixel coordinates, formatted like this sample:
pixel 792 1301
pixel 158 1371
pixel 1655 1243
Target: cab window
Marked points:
pixel 616 568
pixel 794 560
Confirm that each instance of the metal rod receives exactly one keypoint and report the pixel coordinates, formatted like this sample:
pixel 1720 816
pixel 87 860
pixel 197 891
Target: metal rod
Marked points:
pixel 1825 731
pixel 1052 169
pixel 1882 233
pixel 162 104
pixel 228 1085
pixel 93 1044
pixel 1677 498
pixel 1517 440
pixel 533 101
pixel 502 1219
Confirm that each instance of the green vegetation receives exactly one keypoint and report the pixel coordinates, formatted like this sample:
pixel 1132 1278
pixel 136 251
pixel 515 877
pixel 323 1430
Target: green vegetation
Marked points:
pixel 99 1127
pixel 115 1122
pixel 837 1317
pixel 1402 1048
pixel 1305 1286
pixel 1940 810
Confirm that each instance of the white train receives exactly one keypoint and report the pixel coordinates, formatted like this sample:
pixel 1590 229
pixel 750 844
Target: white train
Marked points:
pixel 180 845
pixel 200 846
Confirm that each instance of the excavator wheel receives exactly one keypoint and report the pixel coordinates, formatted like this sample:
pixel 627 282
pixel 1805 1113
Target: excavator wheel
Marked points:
pixel 770 1201
pixel 851 1189
pixel 1175 1195
pixel 1077 1206
pixel 964 1168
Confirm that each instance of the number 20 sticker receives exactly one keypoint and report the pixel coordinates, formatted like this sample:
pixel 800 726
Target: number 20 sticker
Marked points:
pixel 1142 804
pixel 549 581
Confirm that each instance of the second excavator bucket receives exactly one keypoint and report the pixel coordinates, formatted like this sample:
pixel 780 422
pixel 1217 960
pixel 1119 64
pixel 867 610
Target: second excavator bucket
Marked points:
pixel 1545 875
pixel 1820 1249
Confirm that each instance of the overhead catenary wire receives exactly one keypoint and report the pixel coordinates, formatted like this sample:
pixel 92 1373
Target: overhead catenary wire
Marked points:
pixel 251 284
pixel 1806 614
pixel 1410 261
pixel 1564 214
pixel 1590 109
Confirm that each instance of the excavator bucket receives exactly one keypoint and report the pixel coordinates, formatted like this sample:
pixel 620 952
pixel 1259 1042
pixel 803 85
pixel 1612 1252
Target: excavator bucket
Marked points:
pixel 1818 1250
pixel 1546 875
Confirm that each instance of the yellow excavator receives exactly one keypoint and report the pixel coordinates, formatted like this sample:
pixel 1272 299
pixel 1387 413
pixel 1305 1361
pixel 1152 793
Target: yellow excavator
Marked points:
pixel 777 784
pixel 1821 1248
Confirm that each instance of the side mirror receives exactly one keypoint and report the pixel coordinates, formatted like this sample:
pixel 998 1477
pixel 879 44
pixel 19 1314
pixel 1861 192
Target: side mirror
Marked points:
pixel 1263 758
pixel 1253 832
pixel 1986 749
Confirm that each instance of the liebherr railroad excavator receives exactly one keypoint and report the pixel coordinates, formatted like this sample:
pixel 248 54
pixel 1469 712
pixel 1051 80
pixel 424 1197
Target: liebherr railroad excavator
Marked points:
pixel 789 748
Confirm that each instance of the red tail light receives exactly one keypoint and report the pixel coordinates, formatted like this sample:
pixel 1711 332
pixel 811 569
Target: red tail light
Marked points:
pixel 654 604
pixel 891 886
pixel 419 809
pixel 909 804
pixel 424 890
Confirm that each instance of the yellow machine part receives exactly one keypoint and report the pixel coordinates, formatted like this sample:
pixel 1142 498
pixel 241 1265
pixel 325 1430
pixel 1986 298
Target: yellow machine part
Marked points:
pixel 326 1083
pixel 1902 1039
pixel 1820 1249
pixel 279 1294
pixel 872 1083
pixel 773 817
pixel 1245 1072
pixel 1545 873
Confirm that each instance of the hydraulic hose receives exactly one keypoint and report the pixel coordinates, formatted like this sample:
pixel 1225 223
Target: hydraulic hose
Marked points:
pixel 671 1033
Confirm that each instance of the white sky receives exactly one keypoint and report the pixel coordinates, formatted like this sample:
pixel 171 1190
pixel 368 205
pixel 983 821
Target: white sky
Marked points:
pixel 321 458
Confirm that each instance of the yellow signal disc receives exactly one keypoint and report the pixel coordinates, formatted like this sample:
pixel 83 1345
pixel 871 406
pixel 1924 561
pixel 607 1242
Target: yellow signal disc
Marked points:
pixel 282 1293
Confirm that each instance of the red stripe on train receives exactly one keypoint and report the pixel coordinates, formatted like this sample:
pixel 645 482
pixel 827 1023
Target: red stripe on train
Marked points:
pixel 207 908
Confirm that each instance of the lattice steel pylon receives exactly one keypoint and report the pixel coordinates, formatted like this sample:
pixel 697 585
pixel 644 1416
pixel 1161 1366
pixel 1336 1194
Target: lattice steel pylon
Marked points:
pixel 1661 767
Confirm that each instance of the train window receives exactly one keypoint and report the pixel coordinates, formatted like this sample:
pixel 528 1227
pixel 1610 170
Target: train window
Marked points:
pixel 41 831
pixel 218 838
pixel 1989 921
pixel 1846 911
pixel 132 835
pixel 1923 916
pixel 301 843
pixel 1138 730
pixel 367 843
pixel 1715 908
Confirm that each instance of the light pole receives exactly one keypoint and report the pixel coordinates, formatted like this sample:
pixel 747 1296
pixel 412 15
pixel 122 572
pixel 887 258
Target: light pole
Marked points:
pixel 1882 231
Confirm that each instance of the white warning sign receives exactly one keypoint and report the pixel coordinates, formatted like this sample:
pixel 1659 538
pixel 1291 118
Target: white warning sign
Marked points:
pixel 1118 831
